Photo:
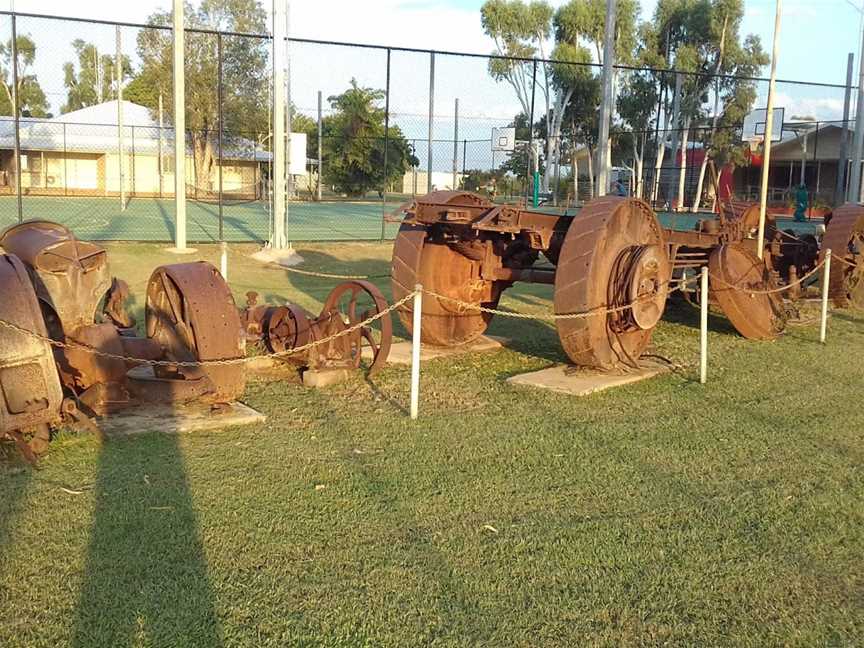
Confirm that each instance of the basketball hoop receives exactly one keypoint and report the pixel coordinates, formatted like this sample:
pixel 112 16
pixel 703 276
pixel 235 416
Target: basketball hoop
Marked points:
pixel 755 143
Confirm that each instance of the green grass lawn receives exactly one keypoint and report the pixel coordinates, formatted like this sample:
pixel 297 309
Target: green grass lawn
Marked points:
pixel 663 513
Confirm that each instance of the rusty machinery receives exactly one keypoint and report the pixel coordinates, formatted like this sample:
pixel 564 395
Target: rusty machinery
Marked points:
pixel 467 250
pixel 324 342
pixel 61 289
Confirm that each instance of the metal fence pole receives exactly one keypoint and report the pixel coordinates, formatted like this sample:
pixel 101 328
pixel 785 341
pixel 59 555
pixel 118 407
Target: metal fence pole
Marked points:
pixel 179 129
pixel 65 166
pixel 607 108
pixel 16 109
pixel 132 183
pixel 415 351
pixel 769 127
pixel 386 146
pixel 844 133
pixel 826 276
pixel 530 129
pixel 219 93
pixel 320 148
pixel 431 118
pixel 703 326
pixel 455 142
pixel 121 152
pixel 278 142
pixel 464 156
pixel 854 194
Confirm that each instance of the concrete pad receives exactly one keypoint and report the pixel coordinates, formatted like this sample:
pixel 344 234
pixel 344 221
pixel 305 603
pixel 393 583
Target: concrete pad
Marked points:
pixel 325 377
pixel 175 250
pixel 576 381
pixel 400 352
pixel 287 257
pixel 176 419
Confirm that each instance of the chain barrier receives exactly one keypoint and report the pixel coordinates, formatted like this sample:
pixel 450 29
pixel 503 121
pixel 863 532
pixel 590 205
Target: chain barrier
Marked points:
pixel 204 363
pixel 770 291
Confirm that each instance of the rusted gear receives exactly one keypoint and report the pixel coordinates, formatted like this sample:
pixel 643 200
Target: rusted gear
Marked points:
pixel 612 252
pixel 844 236
pixel 353 302
pixel 191 313
pixel 287 327
pixel 755 315
pixel 30 391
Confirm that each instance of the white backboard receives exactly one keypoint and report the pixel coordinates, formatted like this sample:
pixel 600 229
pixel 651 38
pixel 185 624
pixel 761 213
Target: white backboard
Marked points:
pixel 754 125
pixel 503 139
pixel 297 165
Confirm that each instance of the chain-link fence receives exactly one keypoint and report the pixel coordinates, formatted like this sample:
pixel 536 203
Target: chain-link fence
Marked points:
pixel 87 137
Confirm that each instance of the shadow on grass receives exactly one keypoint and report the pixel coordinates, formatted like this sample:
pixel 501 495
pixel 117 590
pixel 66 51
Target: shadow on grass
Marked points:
pixel 145 579
pixel 16 477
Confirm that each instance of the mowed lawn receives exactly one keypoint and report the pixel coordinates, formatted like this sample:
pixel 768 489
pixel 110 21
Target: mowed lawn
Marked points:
pixel 663 513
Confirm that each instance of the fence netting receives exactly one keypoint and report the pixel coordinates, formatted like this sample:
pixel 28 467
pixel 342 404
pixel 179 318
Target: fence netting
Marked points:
pixel 370 128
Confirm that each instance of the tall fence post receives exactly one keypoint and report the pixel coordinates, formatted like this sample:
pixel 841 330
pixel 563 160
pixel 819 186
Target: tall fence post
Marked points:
pixel 840 185
pixel 415 351
pixel 607 108
pixel 320 147
pixel 531 129
pixel 769 129
pixel 65 166
pixel 179 128
pixel 121 150
pixel 280 29
pixel 826 276
pixel 431 120
pixel 703 326
pixel 219 98
pixel 464 156
pixel 456 142
pixel 386 147
pixel 16 109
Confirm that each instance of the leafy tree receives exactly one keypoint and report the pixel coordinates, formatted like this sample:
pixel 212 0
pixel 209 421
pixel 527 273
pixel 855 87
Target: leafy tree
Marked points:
pixel 94 80
pixel 354 143
pixel 244 73
pixel 31 98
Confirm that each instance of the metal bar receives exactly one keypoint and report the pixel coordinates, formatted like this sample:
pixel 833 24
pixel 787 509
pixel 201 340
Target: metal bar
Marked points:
pixel 219 94
pixel 606 106
pixel 464 154
pixel 16 109
pixel 415 351
pixel 826 275
pixel 160 161
pixel 844 133
pixel 431 119
pixel 132 192
pixel 703 326
pixel 769 126
pixel 386 144
pixel 179 129
pixel 526 275
pixel 65 166
pixel 858 140
pixel 121 151
pixel 320 137
pixel 278 143
pixel 531 127
pixel 456 142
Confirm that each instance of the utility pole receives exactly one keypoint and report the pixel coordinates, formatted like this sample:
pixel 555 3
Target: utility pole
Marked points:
pixel 179 130
pixel 118 74
pixel 769 127
pixel 606 107
pixel 279 241
pixel 858 141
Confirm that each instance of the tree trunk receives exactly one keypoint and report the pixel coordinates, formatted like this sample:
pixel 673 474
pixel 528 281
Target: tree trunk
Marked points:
pixel 575 176
pixel 202 150
pixel 682 172
pixel 590 173
pixel 697 198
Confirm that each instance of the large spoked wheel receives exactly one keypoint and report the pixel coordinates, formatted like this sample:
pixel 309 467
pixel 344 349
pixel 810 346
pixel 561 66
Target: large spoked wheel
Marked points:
pixel 613 255
pixel 352 303
pixel 755 315
pixel 844 236
pixel 446 272
pixel 191 314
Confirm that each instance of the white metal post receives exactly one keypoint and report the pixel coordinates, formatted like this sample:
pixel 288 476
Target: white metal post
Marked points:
pixel 431 126
pixel 703 326
pixel 279 35
pixel 118 67
pixel 456 144
pixel 826 275
pixel 179 129
pixel 854 194
pixel 606 107
pixel 415 351
pixel 223 260
pixel 769 126
pixel 320 135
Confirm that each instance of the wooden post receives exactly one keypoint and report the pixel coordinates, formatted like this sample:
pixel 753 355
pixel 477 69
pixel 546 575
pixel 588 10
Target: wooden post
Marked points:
pixel 703 326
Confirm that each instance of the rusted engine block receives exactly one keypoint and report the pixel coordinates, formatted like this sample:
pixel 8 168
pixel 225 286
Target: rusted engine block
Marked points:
pixel 61 288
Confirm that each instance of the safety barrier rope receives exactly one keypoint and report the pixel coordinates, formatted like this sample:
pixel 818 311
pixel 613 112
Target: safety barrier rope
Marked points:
pixel 769 291
pixel 204 363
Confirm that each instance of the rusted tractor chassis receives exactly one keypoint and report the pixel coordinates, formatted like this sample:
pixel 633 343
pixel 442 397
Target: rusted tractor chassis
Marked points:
pixel 61 289
pixel 614 253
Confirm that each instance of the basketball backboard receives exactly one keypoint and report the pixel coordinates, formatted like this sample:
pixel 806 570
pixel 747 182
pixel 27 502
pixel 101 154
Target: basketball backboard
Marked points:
pixel 753 130
pixel 503 139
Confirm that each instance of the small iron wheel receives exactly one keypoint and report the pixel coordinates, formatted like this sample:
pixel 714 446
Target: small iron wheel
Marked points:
pixel 355 302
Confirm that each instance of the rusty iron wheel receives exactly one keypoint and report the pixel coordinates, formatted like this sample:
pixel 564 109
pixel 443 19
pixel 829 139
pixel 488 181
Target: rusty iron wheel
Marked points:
pixel 354 302
pixel 287 327
pixel 755 315
pixel 844 236
pixel 191 314
pixel 613 253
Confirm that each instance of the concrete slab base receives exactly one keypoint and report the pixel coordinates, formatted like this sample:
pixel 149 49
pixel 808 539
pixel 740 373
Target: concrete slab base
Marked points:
pixel 287 257
pixel 176 250
pixel 325 377
pixel 575 381
pixel 400 352
pixel 176 419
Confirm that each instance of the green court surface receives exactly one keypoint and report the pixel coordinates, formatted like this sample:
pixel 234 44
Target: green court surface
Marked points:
pixel 152 219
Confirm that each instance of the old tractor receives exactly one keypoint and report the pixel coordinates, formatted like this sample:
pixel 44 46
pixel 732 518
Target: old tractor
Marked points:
pixel 69 349
pixel 613 259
